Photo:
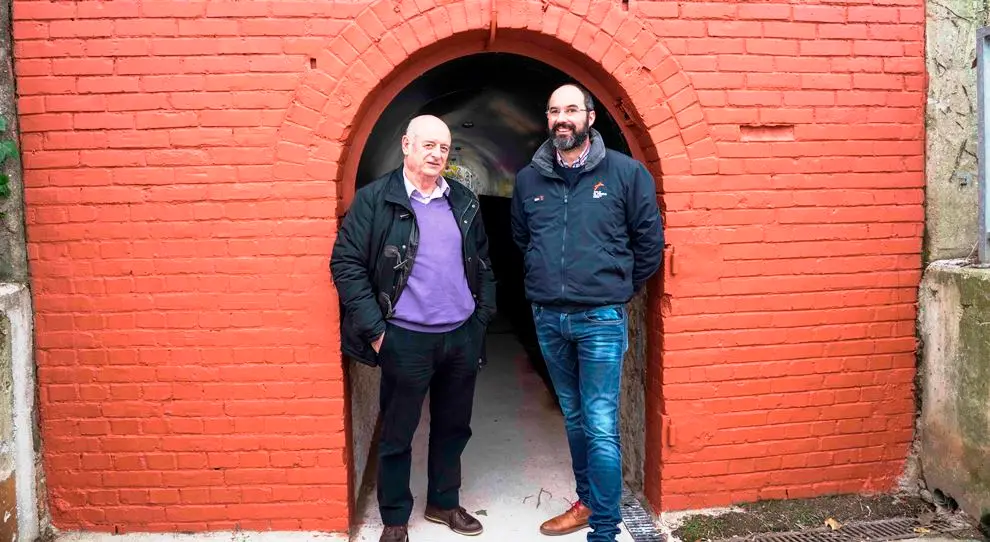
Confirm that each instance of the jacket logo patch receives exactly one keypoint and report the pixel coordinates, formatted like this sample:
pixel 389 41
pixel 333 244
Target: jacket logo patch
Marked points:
pixel 538 198
pixel 596 193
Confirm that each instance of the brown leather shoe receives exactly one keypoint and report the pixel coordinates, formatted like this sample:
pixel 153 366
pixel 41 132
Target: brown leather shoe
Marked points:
pixel 457 519
pixel 571 521
pixel 394 533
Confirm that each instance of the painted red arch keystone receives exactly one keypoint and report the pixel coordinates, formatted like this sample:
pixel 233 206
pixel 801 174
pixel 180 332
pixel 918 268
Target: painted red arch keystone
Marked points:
pixel 392 42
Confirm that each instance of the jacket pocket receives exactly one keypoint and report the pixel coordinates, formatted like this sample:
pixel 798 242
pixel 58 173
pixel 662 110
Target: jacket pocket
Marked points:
pixel 538 280
pixel 615 263
pixel 351 344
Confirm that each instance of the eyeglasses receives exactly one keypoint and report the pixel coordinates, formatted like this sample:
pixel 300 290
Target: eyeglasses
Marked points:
pixel 569 111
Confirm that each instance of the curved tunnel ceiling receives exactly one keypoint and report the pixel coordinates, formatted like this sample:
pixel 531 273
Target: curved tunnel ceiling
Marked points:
pixel 494 104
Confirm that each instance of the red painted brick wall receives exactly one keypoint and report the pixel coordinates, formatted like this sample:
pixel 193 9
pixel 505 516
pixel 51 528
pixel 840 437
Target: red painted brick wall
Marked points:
pixel 184 162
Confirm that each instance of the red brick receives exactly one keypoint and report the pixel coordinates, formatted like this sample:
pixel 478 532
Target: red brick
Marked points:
pixel 819 13
pixel 82 66
pixel 29 30
pixel 107 10
pixel 145 27
pixel 735 29
pixel 873 14
pixel 705 10
pixel 877 48
pixel 789 30
pixel 657 9
pixel 108 85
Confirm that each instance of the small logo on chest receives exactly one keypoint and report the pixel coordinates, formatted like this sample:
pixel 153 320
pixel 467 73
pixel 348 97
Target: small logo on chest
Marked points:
pixel 598 191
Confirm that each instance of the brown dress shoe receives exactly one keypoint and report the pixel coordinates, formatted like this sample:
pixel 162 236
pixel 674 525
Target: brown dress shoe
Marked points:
pixel 394 533
pixel 457 519
pixel 571 521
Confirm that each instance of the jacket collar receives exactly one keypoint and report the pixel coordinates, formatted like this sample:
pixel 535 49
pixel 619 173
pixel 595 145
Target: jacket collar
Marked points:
pixel 546 155
pixel 395 192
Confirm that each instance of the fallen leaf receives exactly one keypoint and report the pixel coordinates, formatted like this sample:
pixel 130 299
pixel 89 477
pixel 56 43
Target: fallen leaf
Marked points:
pixel 482 512
pixel 922 530
pixel 833 524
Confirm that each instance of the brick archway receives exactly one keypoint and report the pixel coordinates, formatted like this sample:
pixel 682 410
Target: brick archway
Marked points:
pixel 358 73
pixel 390 43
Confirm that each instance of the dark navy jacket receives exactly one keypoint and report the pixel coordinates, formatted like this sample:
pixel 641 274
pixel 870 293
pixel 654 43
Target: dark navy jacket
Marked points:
pixel 594 242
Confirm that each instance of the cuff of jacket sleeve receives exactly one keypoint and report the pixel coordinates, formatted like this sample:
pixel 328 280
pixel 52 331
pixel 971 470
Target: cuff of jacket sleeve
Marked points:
pixel 376 331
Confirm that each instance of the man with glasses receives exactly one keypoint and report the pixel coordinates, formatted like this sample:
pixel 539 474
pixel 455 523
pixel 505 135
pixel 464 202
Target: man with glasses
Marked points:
pixel 587 221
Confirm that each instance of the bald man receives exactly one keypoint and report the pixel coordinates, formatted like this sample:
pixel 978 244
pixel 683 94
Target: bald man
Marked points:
pixel 415 283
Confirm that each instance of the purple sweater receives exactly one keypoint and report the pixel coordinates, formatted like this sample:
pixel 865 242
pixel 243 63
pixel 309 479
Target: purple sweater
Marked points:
pixel 437 297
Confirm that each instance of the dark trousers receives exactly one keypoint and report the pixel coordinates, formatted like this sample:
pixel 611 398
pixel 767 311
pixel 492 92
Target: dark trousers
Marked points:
pixel 412 363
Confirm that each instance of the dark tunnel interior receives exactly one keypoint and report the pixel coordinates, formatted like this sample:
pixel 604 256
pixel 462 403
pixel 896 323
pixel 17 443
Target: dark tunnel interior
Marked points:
pixel 494 104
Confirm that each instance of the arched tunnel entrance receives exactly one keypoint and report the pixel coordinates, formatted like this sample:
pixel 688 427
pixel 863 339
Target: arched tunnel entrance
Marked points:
pixel 494 104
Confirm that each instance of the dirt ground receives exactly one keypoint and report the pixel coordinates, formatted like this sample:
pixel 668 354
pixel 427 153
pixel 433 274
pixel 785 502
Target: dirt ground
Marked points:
pixel 803 514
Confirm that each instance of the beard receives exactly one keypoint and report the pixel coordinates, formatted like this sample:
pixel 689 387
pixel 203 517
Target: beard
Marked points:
pixel 576 138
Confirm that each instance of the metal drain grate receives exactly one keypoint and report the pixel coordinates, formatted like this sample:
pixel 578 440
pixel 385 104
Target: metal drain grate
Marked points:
pixel 873 531
pixel 638 521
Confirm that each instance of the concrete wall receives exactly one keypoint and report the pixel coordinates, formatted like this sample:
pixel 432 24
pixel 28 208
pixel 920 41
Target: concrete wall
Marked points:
pixel 955 377
pixel 8 484
pixel 952 191
pixel 954 317
pixel 18 502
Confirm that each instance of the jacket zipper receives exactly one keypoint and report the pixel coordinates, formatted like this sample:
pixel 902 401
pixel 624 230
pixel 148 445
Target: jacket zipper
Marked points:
pixel 463 230
pixel 563 248
pixel 410 256
pixel 464 256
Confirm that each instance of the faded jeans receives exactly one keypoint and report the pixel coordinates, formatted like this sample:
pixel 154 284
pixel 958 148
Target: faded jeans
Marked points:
pixel 584 351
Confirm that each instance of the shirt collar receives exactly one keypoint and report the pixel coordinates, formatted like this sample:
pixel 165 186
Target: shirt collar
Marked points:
pixel 412 191
pixel 580 159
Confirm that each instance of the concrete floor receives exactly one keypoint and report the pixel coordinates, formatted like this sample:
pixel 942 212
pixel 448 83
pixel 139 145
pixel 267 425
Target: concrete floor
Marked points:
pixel 516 469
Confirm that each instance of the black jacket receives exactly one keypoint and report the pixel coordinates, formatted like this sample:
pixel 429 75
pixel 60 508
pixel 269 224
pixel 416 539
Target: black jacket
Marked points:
pixel 594 242
pixel 376 250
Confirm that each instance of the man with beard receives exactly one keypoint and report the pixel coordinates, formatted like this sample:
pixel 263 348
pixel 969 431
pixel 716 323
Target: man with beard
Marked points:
pixel 587 221
pixel 412 271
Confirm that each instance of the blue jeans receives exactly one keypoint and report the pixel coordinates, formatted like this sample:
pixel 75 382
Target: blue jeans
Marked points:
pixel 584 351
